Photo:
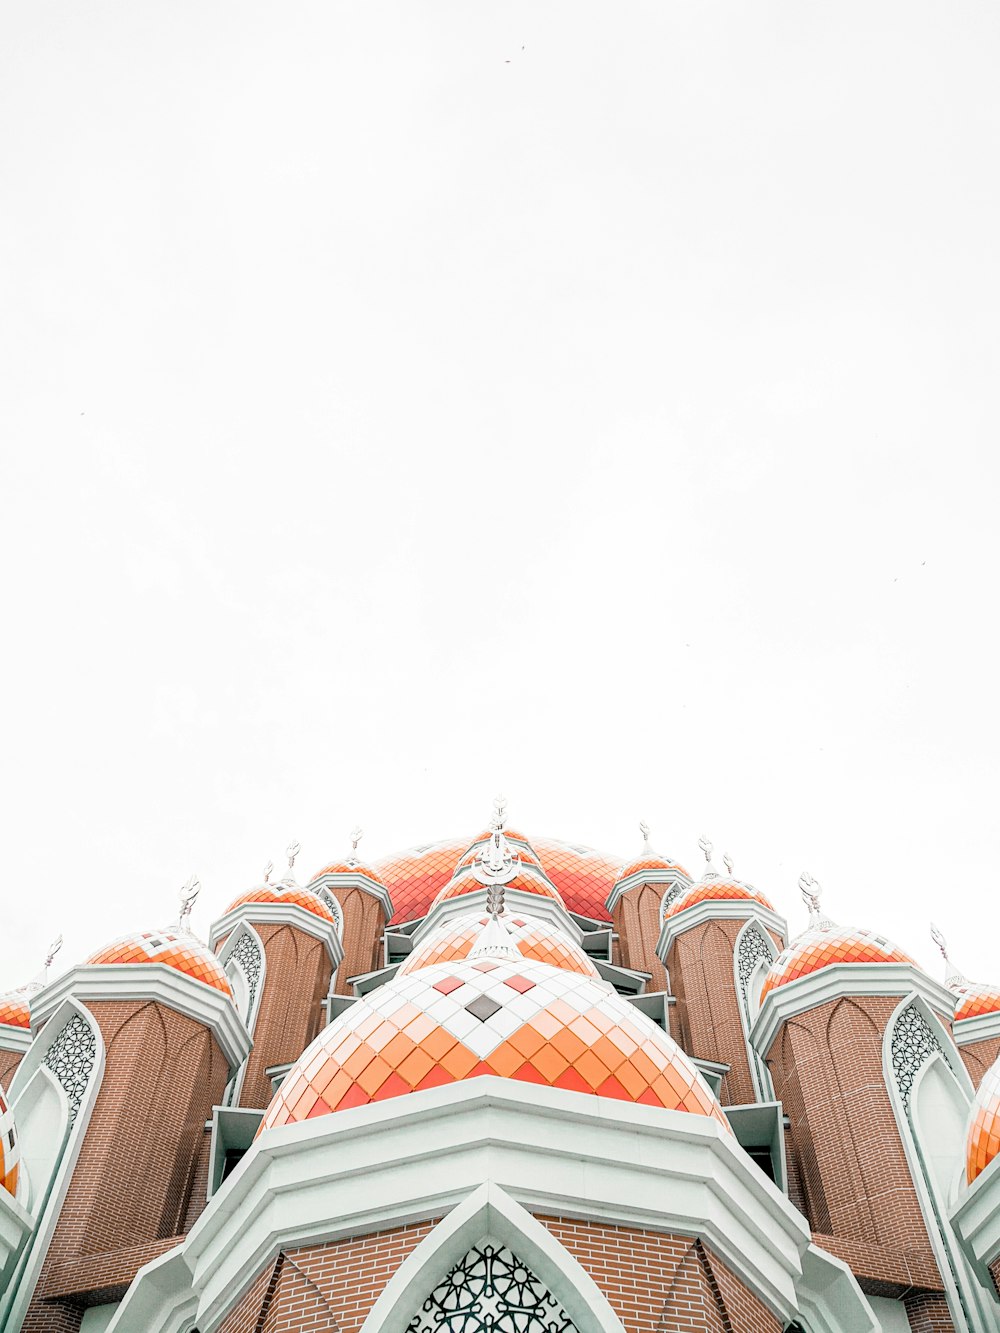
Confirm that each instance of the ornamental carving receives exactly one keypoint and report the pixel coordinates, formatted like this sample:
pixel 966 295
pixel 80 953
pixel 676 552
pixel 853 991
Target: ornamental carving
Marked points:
pixel 491 1291
pixel 247 956
pixel 913 1042
pixel 752 949
pixel 338 912
pixel 71 1059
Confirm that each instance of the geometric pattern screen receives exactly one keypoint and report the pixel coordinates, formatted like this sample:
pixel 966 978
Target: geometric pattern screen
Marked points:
pixel 491 1291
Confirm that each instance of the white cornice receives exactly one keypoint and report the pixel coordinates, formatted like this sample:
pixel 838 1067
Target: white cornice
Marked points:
pixel 969 1030
pixel 718 909
pixel 669 878
pixel 282 914
pixel 976 1218
pixel 840 979
pixel 15 1224
pixel 342 880
pixel 414 1157
pixel 13 1038
pixel 516 901
pixel 149 981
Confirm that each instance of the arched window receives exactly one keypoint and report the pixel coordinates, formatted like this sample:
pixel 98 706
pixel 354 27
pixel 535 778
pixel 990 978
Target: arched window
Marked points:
pixel 490 1288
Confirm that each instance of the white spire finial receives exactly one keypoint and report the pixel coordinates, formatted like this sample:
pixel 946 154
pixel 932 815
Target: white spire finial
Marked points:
pixel 710 871
pixel 499 813
pixel 357 833
pixel 953 978
pixel 189 893
pixel 644 830
pixel 292 851
pixel 54 948
pixel 496 863
pixel 810 889
pixel 727 861
pixel 268 871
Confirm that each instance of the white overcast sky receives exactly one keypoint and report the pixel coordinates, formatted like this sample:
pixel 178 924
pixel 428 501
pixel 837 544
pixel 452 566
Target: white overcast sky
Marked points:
pixel 402 402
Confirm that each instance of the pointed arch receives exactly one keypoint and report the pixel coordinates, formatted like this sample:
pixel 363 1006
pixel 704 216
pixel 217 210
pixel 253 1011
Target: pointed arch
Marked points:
pixel 919 1055
pixel 694 1274
pixel 753 954
pixel 245 961
pixel 490 1211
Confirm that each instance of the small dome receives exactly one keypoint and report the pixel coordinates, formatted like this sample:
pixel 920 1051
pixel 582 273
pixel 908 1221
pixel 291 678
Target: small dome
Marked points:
pixel 15 1009
pixel 350 865
pixel 414 877
pixel 825 945
pixel 175 949
pixel 517 1019
pixel 983 1141
pixel 652 865
pixel 528 880
pixel 976 998
pixel 723 889
pixel 286 894
pixel 10 1153
pixel 534 939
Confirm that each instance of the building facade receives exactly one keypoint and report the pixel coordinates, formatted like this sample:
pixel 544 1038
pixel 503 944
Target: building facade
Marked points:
pixel 501 1085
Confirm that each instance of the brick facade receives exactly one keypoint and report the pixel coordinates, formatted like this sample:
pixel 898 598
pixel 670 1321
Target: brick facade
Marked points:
pixel 9 1061
pixel 364 926
pixel 636 918
pixel 977 1057
pixel 130 1190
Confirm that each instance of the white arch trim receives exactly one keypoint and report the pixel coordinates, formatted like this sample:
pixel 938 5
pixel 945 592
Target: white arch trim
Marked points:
pixel 758 1069
pixel 489 1210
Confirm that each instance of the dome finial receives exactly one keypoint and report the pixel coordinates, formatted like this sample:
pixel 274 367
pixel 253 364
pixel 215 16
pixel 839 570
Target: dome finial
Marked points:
pixel 291 851
pixel 953 978
pixel 357 833
pixel 710 871
pixel 809 887
pixel 644 830
pixel 53 949
pixel 496 863
pixel 494 900
pixel 499 813
pixel 727 861
pixel 268 871
pixel 189 893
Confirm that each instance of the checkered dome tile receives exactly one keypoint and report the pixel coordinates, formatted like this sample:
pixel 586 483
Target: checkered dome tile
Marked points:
pixel 15 1009
pixel 715 890
pixel 415 877
pixel 983 1142
pixel 283 893
pixel 973 1000
pixel 823 947
pixel 659 863
pixel 582 875
pixel 520 1020
pixel 534 938
pixel 174 949
pixel 529 879
pixel 10 1152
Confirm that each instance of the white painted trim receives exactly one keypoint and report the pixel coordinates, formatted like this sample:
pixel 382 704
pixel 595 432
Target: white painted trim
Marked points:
pixel 830 1299
pixel 516 901
pixel 944 1247
pixel 718 909
pixel 150 981
pixel 14 1303
pixel 490 1211
pixel 15 1225
pixel 415 1157
pixel 969 1030
pixel 235 1086
pixel 281 914
pixel 161 1297
pixel 838 980
pixel 759 1072
pixel 976 1219
pixel 669 878
pixel 13 1038
pixel 352 881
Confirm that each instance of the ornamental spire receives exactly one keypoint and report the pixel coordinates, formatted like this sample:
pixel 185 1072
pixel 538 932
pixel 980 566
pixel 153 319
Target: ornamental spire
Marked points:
pixel 291 851
pixel 810 889
pixel 727 861
pixel 953 979
pixel 710 871
pixel 188 895
pixel 357 833
pixel 268 872
pixel 496 864
pixel 53 949
pixel 647 846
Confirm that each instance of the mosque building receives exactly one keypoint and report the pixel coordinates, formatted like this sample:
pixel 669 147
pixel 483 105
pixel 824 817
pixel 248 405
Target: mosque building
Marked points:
pixel 501 1085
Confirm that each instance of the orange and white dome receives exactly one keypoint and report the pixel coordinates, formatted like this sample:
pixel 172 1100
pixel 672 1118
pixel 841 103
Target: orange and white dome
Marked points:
pixel 534 939
pixel 529 879
pixel 973 999
pixel 982 1144
pixel 715 888
pixel 825 944
pixel 15 1009
pixel 173 948
pixel 286 894
pixel 10 1153
pixel 520 1020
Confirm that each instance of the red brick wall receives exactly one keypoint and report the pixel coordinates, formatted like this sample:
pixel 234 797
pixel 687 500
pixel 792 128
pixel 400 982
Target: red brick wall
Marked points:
pixel 9 1061
pixel 708 1023
pixel 636 918
pixel 929 1314
pixel 289 1015
pixel 364 926
pixel 995 1273
pixel 977 1056
pixel 827 1070
pixel 134 1175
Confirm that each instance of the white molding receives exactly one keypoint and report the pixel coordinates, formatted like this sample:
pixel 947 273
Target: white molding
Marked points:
pixel 668 877
pixel 976 1219
pixel 415 1157
pixel 150 981
pixel 245 928
pixel 760 1075
pixel 516 902
pixel 718 909
pixel 14 1303
pixel 15 1224
pixel 355 881
pixel 490 1211
pixel 830 1299
pixel 14 1038
pixel 840 980
pixel 281 914
pixel 981 1028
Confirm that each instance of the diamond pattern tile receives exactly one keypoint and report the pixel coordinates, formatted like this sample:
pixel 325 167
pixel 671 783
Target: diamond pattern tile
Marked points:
pixel 176 950
pixel 651 862
pixel 824 946
pixel 414 877
pixel 715 890
pixel 10 1152
pixel 15 1010
pixel 564 1030
pixel 284 893
pixel 528 880
pixel 582 875
pixel 535 939
pixel 983 1142
pixel 974 999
